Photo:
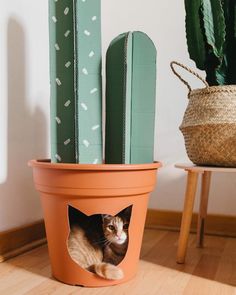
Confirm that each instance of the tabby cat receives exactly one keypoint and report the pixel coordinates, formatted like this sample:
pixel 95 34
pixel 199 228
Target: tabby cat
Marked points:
pixel 99 243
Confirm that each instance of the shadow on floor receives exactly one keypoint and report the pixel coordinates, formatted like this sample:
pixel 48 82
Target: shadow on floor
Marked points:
pixel 35 261
pixel 216 261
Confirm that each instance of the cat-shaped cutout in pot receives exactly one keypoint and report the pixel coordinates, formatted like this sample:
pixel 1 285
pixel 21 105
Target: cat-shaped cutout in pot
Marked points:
pixel 98 243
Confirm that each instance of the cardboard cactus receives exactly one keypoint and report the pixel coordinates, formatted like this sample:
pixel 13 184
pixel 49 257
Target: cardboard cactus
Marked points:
pixel 75 78
pixel 89 82
pixel 76 89
pixel 61 42
pixel 130 99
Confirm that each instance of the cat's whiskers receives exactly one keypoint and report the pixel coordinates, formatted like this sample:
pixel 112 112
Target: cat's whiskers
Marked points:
pixel 107 243
pixel 101 241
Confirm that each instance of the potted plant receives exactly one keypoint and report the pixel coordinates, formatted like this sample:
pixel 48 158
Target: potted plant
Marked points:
pixel 209 123
pixel 92 209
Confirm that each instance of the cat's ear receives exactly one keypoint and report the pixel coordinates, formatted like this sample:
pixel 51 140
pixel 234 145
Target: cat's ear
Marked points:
pixel 106 217
pixel 126 213
pixel 77 218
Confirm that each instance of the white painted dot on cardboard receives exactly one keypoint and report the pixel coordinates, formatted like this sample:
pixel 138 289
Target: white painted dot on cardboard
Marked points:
pixel 58 120
pixel 67 103
pixel 57 46
pixel 86 143
pixel 66 142
pixel 84 106
pixel 58 157
pixel 91 53
pixel 92 91
pixel 95 127
pixel 54 19
pixel 67 64
pixel 66 11
pixel 58 81
pixel 87 33
pixel 85 71
pixel 67 33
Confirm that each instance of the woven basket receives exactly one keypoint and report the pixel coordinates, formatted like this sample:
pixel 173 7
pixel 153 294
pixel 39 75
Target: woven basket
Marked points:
pixel 209 123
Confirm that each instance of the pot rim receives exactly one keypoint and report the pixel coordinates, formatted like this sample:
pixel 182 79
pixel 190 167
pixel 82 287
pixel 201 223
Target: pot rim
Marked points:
pixel 46 164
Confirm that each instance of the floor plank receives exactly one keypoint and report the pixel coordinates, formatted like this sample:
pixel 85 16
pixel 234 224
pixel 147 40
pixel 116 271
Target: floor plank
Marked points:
pixel 211 270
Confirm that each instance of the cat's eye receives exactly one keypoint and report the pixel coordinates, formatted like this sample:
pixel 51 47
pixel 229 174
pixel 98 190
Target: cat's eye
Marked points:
pixel 111 227
pixel 125 226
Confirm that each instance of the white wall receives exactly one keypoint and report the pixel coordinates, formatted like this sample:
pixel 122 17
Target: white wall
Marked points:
pixel 24 104
pixel 24 107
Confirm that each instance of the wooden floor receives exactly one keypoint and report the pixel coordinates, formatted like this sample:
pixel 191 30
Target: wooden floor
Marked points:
pixel 211 270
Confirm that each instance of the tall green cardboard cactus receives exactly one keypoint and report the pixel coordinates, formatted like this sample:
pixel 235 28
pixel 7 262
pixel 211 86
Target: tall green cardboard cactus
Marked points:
pixel 75 78
pixel 130 99
pixel 62 69
pixel 89 82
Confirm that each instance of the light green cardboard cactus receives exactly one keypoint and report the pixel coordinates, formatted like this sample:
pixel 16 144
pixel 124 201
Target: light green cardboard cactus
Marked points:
pixel 130 99
pixel 75 78
pixel 89 81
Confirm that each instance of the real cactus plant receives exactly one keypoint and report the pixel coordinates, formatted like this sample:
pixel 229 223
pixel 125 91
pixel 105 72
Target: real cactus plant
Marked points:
pixel 75 78
pixel 211 38
pixel 130 99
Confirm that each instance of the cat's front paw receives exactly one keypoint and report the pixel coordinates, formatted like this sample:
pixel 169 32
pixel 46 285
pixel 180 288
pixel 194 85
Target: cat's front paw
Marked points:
pixel 109 271
pixel 114 272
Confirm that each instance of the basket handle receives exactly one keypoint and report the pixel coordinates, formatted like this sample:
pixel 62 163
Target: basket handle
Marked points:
pixel 190 71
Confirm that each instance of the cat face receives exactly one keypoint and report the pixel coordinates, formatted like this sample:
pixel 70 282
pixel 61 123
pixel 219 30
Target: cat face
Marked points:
pixel 116 227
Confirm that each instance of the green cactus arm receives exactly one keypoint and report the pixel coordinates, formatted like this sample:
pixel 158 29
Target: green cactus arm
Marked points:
pixel 214 26
pixel 194 34
pixel 215 36
pixel 221 72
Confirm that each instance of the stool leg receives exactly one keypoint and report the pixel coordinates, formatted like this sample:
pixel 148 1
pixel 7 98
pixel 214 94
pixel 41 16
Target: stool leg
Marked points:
pixel 187 215
pixel 205 188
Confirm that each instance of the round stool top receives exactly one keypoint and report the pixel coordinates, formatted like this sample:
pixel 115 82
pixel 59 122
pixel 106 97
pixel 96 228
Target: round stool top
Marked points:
pixel 201 169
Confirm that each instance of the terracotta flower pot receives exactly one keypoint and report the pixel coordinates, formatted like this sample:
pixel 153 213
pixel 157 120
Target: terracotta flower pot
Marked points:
pixel 92 189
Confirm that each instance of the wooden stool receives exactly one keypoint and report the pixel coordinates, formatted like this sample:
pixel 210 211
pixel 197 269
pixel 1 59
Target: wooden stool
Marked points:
pixel 193 172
